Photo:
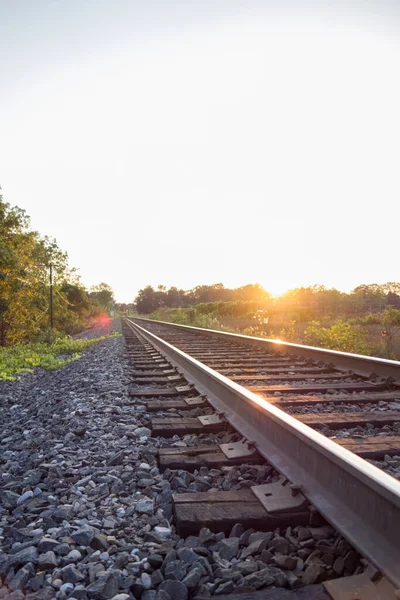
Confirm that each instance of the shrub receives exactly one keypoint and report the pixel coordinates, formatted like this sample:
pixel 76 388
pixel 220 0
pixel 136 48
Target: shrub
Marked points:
pixel 342 336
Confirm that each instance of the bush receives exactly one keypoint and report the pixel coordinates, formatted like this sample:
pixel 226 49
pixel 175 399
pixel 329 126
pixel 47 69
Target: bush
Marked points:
pixel 342 336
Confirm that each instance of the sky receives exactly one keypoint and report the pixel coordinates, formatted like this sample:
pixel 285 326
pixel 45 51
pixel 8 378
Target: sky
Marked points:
pixel 204 141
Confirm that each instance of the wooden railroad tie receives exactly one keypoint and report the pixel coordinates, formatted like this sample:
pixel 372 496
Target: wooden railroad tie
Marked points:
pixel 157 378
pixel 151 367
pixel 250 363
pixel 308 592
pixel 362 386
pixel 178 404
pixel 182 426
pixel 375 448
pixel 284 371
pixel 142 354
pixel 371 447
pixel 218 456
pixel 211 456
pixel 262 507
pixel 156 372
pixel 182 390
pixel 292 377
pixel 365 398
pixel 141 364
pixel 342 419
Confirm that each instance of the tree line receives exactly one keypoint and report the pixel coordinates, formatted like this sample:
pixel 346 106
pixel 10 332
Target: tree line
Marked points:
pixel 25 260
pixel 304 302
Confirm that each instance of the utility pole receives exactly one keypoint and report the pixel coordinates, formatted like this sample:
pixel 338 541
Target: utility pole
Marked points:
pixel 51 297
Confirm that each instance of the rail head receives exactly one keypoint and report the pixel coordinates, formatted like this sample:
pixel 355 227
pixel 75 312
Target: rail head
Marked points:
pixel 361 501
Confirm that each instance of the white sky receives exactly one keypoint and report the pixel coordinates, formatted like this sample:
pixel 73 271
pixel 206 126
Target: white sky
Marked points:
pixel 196 142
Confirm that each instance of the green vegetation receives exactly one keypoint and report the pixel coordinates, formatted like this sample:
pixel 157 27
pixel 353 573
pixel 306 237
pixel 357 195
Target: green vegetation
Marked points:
pixel 149 300
pixel 22 358
pixel 300 303
pixel 25 259
pixel 365 321
pixel 343 336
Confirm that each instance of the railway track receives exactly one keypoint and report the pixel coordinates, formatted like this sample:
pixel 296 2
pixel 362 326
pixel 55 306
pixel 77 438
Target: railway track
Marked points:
pixel 228 402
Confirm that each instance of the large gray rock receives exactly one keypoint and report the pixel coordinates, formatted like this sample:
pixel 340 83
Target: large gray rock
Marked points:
pixel 17 595
pixel 105 588
pixel 228 548
pixel 246 567
pixel 188 555
pixel 259 579
pixel 145 506
pixel 176 569
pixel 312 574
pixel 285 562
pixel 47 560
pixel 261 535
pixel 253 548
pixel 21 577
pixel 142 431
pixel 146 581
pixel 27 555
pixel 227 587
pixel 148 595
pixel 279 544
pixel 192 578
pixel 176 589
pixel 9 499
pixel 24 497
pixel 84 535
pixel 70 574
pixel 47 543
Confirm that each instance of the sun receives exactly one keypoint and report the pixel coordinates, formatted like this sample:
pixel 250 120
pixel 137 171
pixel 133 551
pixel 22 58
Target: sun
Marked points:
pixel 277 287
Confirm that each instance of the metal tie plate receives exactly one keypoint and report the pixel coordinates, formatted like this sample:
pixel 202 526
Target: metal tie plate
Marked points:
pixel 183 388
pixel 194 400
pixel 279 497
pixel 210 419
pixel 237 449
pixel 369 585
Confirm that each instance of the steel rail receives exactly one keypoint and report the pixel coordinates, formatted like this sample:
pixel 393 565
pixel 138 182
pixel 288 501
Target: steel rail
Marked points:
pixel 363 365
pixel 359 500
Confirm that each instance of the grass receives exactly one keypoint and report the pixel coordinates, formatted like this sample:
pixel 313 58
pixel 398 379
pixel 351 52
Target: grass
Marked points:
pixel 23 358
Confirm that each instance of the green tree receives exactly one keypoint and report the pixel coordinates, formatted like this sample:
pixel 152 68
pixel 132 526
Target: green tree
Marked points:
pixel 103 295
pixel 390 319
pixel 25 258
pixel 147 300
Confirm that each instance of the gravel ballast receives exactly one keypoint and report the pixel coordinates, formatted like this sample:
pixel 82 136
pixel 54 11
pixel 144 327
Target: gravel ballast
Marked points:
pixel 85 512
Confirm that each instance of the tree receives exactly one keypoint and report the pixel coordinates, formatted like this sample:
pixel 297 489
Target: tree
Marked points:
pixel 25 258
pixel 147 300
pixel 390 319
pixel 175 298
pixel 252 291
pixel 20 286
pixel 393 300
pixel 371 297
pixel 209 293
pixel 103 295
pixel 75 297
